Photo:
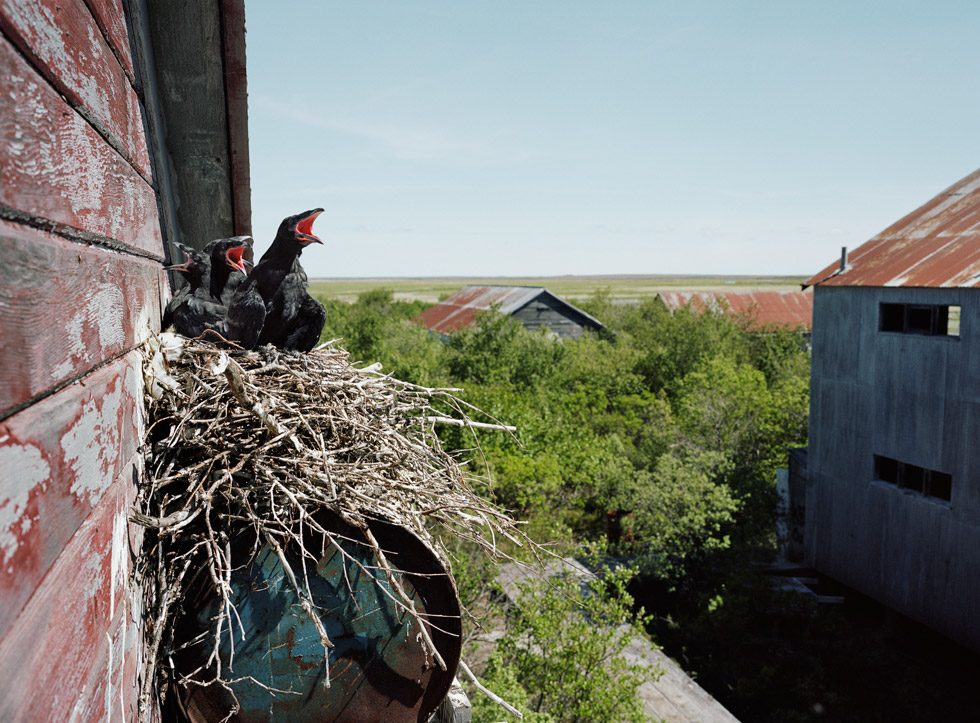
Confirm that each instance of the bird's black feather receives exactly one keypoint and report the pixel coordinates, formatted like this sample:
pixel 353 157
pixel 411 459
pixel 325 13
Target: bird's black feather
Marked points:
pixel 289 316
pixel 191 310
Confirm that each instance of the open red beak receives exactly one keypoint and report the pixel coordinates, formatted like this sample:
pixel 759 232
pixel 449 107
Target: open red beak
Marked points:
pixel 234 256
pixel 304 229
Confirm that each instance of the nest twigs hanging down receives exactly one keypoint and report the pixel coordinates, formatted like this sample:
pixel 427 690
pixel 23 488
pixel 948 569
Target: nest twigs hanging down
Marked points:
pixel 262 441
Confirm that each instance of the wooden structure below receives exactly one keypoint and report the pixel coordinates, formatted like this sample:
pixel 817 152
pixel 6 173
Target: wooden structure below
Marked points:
pixel 674 696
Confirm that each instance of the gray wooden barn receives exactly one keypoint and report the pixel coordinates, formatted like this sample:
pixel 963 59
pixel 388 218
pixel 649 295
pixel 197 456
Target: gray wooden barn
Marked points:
pixel 893 467
pixel 534 306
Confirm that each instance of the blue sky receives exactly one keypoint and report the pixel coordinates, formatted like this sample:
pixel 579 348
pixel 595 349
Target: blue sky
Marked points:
pixel 536 137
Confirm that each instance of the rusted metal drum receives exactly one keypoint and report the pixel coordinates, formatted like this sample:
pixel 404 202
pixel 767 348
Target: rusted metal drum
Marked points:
pixel 378 667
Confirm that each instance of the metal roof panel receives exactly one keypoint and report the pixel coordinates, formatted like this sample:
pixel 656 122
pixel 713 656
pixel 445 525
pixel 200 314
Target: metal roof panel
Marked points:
pixel 936 245
pixel 461 308
pixel 764 308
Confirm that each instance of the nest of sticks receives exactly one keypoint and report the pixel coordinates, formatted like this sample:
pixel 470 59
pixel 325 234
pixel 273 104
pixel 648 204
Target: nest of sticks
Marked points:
pixel 261 441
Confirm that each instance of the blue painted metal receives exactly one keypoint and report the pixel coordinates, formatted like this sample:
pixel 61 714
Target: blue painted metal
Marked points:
pixel 378 668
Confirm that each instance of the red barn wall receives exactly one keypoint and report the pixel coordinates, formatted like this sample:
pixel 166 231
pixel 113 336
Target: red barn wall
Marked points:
pixel 81 285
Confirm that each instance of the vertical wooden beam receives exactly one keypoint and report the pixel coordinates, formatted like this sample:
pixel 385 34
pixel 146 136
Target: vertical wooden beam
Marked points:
pixel 137 23
pixel 190 67
pixel 236 102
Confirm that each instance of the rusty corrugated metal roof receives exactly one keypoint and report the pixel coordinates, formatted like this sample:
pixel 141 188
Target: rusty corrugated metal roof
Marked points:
pixel 937 245
pixel 460 309
pixel 764 308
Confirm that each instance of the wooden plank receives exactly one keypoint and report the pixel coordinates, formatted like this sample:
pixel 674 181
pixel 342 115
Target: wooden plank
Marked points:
pixel 137 19
pixel 58 458
pixel 188 59
pixel 63 40
pixel 65 308
pixel 112 20
pixel 65 658
pixel 674 696
pixel 111 692
pixel 236 98
pixel 54 166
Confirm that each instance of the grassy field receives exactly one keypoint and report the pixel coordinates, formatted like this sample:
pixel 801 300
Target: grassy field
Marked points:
pixel 624 288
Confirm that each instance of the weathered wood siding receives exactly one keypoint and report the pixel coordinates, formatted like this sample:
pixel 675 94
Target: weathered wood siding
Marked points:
pixel 56 168
pixel 202 101
pixel 81 285
pixel 62 40
pixel 542 314
pixel 67 308
pixel 916 399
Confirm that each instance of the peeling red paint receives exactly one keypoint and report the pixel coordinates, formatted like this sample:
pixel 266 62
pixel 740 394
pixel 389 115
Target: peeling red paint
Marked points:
pixel 298 659
pixel 85 439
pixel 64 308
pixel 53 165
pixel 67 644
pixel 763 308
pixel 73 158
pixel 112 20
pixel 63 39
pixel 17 517
pixel 936 245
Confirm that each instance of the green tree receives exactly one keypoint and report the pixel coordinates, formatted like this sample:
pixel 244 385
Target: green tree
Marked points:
pixel 779 353
pixel 672 344
pixel 380 329
pixel 497 348
pixel 681 512
pixel 724 406
pixel 562 658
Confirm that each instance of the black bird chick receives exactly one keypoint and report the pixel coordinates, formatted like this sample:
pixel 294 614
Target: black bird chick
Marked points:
pixel 190 310
pixel 228 258
pixel 272 305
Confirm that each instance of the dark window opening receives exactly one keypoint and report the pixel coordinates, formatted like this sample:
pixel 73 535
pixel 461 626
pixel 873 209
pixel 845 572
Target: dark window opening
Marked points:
pixel 939 484
pixel 920 319
pixel 940 320
pixel 892 317
pixel 886 469
pixel 913 477
pixel 925 319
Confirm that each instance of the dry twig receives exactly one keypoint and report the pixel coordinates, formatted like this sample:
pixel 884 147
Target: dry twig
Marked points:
pixel 262 441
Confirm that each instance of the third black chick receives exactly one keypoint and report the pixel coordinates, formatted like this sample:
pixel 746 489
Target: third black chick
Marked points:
pixel 190 310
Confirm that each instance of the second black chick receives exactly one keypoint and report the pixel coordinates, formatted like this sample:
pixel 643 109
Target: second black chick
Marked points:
pixel 228 270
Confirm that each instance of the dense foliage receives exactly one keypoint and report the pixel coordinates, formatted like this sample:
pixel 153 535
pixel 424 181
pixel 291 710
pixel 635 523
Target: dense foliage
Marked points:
pixel 661 436
pixel 667 431
pixel 562 657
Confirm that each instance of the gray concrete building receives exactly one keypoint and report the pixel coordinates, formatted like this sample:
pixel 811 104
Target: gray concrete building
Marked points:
pixel 893 464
